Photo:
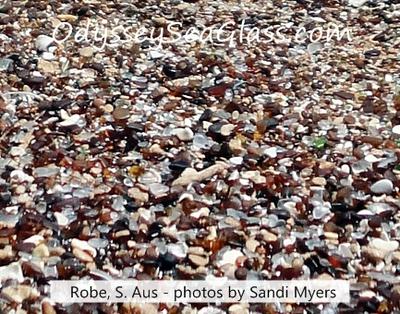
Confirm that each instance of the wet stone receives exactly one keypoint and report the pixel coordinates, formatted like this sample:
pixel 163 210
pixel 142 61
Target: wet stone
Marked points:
pixel 43 42
pixel 383 186
pixel 121 113
pixel 184 134
pixel 198 260
pixel 158 189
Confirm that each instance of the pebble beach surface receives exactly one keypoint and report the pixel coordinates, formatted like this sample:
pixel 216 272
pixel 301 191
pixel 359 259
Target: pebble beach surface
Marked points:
pixel 251 160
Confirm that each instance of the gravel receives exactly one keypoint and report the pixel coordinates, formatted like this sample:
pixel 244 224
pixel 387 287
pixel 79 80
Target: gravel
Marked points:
pixel 252 161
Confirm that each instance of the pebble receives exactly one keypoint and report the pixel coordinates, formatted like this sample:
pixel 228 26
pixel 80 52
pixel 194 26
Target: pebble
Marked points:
pixel 6 64
pixel 98 243
pixel 179 250
pixel 395 295
pixel 227 129
pixel 154 54
pixel 67 18
pixel 20 293
pixel 384 246
pixel 46 171
pixel 194 161
pixel 357 3
pixel 374 255
pixel 191 175
pixel 43 42
pixel 198 260
pixel 396 129
pixel 121 113
pixel 82 255
pixel 383 186
pixel 47 67
pixel 238 309
pixel 138 195
pixel 41 251
pixel 6 253
pixel 318 181
pixel 268 236
pixel 230 257
pixel 158 189
pixel 252 244
pixel 61 219
pixel 11 271
pixel 47 308
pixel 17 151
pixel 74 120
pixel 184 134
pixel 83 246
pixel 396 257
pixel 271 152
pixel 86 52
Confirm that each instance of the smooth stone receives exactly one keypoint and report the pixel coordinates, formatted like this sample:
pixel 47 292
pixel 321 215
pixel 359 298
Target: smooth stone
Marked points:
pixel 43 42
pixel 82 255
pixel 252 245
pixel 210 310
pixel 367 294
pixel 268 236
pixel 67 18
pixel 86 52
pixel 271 152
pixel 75 119
pixel 384 246
pixel 48 56
pixel 357 3
pixel 383 186
pixel 47 308
pixel 179 165
pixel 190 175
pixel 314 47
pixel 11 271
pixel 320 212
pixel 41 251
pixel 35 239
pixel 238 309
pixel 395 295
pixel 84 246
pixel 46 171
pixel 158 189
pixel 118 203
pixel 371 158
pixel 254 176
pixel 230 257
pixel 6 253
pixel 17 151
pixel 184 134
pixel 47 67
pixel 20 293
pixel 178 250
pixel 396 257
pixel 396 129
pixel 318 181
pixel 372 254
pixel 202 212
pixel 98 243
pixel 138 195
pixel 201 141
pixel 121 113
pixel 61 219
pixel 199 260
pixel 227 129
pixel 154 54
pixel 236 160
pixel 5 64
